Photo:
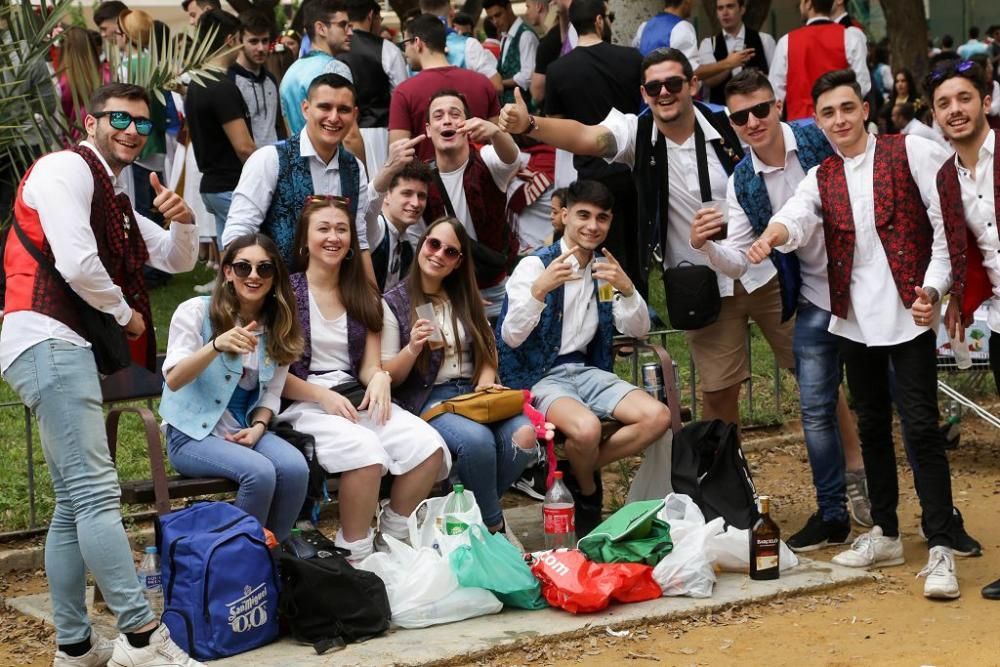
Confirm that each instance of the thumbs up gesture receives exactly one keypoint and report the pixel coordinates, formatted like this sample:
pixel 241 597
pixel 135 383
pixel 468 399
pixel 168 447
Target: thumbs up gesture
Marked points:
pixel 169 203
pixel 923 307
pixel 514 116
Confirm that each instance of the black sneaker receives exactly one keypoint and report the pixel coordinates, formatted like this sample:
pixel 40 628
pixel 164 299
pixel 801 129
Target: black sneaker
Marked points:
pixel 819 533
pixel 532 482
pixel 962 544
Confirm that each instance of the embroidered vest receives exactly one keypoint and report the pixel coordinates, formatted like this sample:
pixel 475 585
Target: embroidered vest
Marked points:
pixel 120 248
pixel 650 175
pixel 751 192
pixel 813 50
pixel 370 80
pixel 970 283
pixel 751 40
pixel 357 334
pixel 511 64
pixel 294 184
pixel 900 221
pixel 522 367
pixel 656 34
pixel 196 408
pixel 413 392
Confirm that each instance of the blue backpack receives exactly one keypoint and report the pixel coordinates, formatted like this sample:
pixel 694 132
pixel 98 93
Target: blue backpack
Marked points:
pixel 220 587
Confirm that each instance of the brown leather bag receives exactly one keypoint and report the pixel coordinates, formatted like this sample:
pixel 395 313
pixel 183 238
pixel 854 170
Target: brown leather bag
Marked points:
pixel 486 406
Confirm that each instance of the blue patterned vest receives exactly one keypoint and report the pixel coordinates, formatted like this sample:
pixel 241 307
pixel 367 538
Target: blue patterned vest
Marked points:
pixel 294 184
pixel 522 367
pixel 656 34
pixel 357 334
pixel 413 392
pixel 751 192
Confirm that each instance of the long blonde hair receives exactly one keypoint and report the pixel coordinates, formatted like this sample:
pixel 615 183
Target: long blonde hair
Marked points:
pixel 284 334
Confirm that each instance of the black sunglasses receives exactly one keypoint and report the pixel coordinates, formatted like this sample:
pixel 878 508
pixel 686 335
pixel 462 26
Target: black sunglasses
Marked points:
pixel 243 268
pixel 451 252
pixel 120 120
pixel 674 84
pixel 741 117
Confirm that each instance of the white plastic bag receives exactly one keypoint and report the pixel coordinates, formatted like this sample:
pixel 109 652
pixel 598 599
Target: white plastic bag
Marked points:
pixel 422 588
pixel 426 521
pixel 731 551
pixel 687 569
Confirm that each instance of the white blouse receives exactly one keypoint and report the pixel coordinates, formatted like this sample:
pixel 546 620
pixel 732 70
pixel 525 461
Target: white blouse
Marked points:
pixel 458 362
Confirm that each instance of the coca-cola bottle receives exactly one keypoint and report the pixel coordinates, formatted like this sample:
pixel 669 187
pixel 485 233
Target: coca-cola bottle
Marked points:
pixel 558 516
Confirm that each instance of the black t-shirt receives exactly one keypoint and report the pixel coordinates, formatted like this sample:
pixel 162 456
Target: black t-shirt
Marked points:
pixel 208 107
pixel 586 84
pixel 549 47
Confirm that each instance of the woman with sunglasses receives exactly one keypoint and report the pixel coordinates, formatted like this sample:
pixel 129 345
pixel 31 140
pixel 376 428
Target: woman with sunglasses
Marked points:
pixel 341 394
pixel 490 457
pixel 227 360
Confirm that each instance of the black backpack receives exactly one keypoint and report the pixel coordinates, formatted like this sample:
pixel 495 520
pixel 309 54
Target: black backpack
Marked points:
pixel 328 603
pixel 709 466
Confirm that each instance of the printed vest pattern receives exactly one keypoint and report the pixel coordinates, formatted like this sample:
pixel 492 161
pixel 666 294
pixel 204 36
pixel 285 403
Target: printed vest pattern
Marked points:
pixel 813 50
pixel 751 40
pixel 356 332
pixel 511 65
pixel 413 392
pixel 522 367
pixel 656 34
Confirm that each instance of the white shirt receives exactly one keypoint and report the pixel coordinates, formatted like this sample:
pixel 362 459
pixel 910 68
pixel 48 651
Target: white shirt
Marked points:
pixel 579 324
pixel 259 180
pixel 682 37
pixel 185 339
pixel 685 192
pixel 458 361
pixel 876 315
pixel 729 255
pixel 478 59
pixel 855 48
pixel 501 172
pixel 527 47
pixel 411 235
pixel 918 129
pixel 393 63
pixel 737 42
pixel 330 361
pixel 995 100
pixel 61 189
pixel 981 217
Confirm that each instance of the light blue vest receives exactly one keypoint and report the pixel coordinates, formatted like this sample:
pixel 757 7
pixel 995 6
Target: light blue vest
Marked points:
pixel 656 34
pixel 295 85
pixel 455 44
pixel 196 408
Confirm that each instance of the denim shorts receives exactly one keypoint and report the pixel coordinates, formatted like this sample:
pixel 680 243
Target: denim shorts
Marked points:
pixel 599 390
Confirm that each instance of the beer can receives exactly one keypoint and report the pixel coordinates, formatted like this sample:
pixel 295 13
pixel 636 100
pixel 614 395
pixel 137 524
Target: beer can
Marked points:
pixel 652 381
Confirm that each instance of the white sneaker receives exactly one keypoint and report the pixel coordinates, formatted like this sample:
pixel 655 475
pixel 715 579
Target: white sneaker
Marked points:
pixel 872 549
pixel 206 288
pixel 941 581
pixel 97 656
pixel 161 652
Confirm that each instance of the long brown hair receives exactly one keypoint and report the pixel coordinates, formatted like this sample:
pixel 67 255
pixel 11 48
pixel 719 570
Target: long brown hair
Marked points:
pixel 466 304
pixel 79 61
pixel 360 297
pixel 284 335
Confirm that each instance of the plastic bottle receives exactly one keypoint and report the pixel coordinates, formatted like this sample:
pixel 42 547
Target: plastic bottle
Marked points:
pixel 559 516
pixel 149 580
pixel 458 503
pixel 963 356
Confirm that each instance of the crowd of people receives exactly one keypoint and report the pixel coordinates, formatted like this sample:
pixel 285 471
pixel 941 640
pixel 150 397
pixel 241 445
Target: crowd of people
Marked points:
pixel 342 182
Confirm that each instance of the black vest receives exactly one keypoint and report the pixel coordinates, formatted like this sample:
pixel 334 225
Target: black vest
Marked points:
pixel 650 174
pixel 370 80
pixel 751 40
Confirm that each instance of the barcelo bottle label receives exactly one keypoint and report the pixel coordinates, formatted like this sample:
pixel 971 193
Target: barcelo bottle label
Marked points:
pixel 558 519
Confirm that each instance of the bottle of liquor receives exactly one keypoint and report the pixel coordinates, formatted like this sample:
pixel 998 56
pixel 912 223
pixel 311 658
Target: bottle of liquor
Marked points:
pixel 765 540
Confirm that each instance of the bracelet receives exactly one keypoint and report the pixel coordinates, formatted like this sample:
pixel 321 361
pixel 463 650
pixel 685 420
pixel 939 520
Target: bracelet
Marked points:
pixel 259 421
pixel 215 348
pixel 532 124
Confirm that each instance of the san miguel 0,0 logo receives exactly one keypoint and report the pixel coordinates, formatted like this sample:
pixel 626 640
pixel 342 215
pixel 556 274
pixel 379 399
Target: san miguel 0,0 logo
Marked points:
pixel 250 611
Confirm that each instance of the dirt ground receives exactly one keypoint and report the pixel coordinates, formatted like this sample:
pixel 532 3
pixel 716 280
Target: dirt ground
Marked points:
pixel 887 622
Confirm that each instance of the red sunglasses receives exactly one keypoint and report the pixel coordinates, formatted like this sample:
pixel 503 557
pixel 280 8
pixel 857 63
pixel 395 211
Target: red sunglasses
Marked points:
pixel 435 245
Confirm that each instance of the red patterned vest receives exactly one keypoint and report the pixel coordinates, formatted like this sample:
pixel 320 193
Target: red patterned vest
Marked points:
pixel 971 284
pixel 813 50
pixel 120 247
pixel 900 220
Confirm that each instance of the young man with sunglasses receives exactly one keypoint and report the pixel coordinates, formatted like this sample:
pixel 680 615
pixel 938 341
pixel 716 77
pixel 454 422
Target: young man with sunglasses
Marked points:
pixel 555 338
pixel 966 189
pixel 888 265
pixel 72 208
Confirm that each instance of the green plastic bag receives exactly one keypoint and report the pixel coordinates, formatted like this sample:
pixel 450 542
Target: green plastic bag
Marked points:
pixel 489 561
pixel 633 534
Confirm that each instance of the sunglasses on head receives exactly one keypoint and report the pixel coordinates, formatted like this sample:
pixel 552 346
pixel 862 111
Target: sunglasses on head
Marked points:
pixel 949 69
pixel 120 120
pixel 319 199
pixel 674 84
pixel 242 269
pixel 435 245
pixel 741 117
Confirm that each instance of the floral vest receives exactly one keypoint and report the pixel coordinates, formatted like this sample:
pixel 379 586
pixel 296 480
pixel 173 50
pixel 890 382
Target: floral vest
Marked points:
pixel 511 64
pixel 413 392
pixel 357 334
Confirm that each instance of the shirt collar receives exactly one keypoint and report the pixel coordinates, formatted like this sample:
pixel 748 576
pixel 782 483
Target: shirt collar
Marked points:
pixel 791 146
pixel 985 152
pixel 818 18
pixel 306 149
pixel 869 149
pixel 711 134
pixel 741 33
pixel 514 27
pixel 571 260
pixel 111 174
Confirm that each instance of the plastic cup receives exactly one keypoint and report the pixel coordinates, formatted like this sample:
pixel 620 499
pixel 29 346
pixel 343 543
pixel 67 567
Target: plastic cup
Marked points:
pixel 425 311
pixel 722 207
pixel 605 291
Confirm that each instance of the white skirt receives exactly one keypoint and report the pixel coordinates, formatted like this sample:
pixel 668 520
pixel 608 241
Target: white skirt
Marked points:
pixel 400 445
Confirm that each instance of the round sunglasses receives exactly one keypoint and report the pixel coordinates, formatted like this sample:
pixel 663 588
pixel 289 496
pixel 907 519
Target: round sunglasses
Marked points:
pixel 242 269
pixel 435 245
pixel 120 120
pixel 742 117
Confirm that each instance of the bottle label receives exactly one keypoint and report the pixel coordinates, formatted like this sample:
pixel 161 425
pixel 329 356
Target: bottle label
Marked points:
pixel 767 562
pixel 558 520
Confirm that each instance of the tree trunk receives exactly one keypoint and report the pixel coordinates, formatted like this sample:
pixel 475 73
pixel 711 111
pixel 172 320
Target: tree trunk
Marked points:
pixel 757 12
pixel 402 7
pixel 712 26
pixel 629 14
pixel 906 26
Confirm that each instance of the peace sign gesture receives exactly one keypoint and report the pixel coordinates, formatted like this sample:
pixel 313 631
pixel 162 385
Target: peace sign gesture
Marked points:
pixel 556 274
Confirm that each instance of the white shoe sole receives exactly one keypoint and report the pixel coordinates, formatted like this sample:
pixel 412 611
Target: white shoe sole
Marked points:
pixel 879 563
pixel 942 594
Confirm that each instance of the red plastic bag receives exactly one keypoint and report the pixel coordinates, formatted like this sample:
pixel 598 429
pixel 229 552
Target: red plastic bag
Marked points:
pixel 575 584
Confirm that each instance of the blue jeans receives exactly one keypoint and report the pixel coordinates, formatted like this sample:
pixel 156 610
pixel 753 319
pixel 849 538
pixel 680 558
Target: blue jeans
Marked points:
pixel 272 474
pixel 59 382
pixel 817 368
pixel 487 460
pixel 218 203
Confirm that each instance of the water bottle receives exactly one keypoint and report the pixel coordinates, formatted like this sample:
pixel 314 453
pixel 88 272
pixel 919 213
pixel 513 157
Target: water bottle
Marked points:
pixel 559 516
pixel 149 580
pixel 458 503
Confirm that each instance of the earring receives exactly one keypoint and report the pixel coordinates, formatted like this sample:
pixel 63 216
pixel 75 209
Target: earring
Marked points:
pixel 303 251
pixel 350 254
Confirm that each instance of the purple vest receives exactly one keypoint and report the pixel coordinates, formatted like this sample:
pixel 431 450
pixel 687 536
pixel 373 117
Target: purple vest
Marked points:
pixel 357 334
pixel 413 393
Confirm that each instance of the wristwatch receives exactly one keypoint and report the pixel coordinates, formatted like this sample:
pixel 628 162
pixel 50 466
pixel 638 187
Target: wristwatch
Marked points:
pixel 532 125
